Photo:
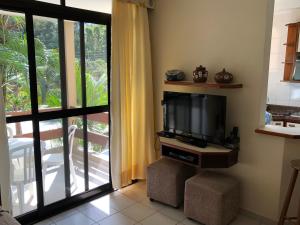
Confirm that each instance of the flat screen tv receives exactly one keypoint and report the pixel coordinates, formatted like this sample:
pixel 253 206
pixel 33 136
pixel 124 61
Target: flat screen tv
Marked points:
pixel 197 116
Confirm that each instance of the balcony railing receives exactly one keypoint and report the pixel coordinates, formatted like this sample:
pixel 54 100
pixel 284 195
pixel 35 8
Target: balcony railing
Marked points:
pixel 94 138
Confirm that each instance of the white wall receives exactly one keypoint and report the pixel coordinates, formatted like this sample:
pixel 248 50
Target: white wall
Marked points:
pixel 235 34
pixel 281 93
pixel 94 5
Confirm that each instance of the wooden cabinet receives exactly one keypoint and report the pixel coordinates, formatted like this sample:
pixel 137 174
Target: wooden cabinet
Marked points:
pixel 291 51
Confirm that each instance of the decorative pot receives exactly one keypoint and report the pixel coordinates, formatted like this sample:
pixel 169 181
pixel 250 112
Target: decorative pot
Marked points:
pixel 175 75
pixel 200 74
pixel 223 77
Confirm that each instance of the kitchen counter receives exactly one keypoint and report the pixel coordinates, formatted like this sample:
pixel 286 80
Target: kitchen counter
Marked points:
pixel 286 119
pixel 285 132
pixel 287 114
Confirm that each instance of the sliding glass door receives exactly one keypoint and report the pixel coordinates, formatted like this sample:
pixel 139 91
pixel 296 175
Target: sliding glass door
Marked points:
pixel 55 65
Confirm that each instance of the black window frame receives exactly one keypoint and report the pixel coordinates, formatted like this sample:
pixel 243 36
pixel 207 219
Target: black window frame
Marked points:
pixel 60 12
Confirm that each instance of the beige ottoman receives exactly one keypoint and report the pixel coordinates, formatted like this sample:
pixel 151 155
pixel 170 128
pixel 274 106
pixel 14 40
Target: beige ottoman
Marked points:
pixel 211 198
pixel 166 179
pixel 6 219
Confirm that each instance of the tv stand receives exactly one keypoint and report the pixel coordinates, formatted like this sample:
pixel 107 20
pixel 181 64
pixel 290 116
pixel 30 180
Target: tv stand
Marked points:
pixel 192 141
pixel 213 156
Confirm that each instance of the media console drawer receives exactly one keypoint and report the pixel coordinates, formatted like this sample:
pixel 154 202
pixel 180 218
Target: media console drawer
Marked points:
pixel 210 157
pixel 180 155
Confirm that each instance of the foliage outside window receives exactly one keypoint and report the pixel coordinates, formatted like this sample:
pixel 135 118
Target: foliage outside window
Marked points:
pixel 14 66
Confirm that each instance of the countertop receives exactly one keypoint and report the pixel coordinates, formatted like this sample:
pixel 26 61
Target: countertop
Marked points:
pixel 285 132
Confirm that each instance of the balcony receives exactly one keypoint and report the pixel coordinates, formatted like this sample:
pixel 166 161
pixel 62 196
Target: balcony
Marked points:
pixel 24 195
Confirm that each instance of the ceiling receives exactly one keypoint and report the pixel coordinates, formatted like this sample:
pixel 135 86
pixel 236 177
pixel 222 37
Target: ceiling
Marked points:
pixel 281 5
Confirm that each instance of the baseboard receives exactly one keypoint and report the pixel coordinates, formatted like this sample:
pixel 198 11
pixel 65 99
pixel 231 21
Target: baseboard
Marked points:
pixel 263 220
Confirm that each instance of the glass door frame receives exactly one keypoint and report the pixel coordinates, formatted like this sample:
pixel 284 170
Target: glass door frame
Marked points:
pixel 60 12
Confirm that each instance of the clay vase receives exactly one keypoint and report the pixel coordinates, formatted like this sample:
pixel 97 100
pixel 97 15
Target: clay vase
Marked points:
pixel 224 77
pixel 200 74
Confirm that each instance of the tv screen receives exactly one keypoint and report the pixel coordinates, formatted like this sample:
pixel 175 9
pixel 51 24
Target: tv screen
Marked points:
pixel 199 116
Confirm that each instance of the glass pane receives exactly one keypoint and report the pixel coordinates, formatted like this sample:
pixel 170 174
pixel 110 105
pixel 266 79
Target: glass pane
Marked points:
pixel 96 64
pixel 76 155
pixel 14 74
pixel 104 6
pixel 22 174
pixel 48 64
pixel 52 160
pixel 72 50
pixel 98 149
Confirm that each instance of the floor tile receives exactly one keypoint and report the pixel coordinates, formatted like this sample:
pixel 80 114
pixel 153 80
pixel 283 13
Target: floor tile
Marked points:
pixel 108 203
pixel 243 220
pixel 103 203
pixel 116 193
pixel 158 219
pixel 127 188
pixel 120 202
pixel 63 215
pixel 153 204
pixel 97 213
pixel 117 219
pixel 76 219
pixel 129 206
pixel 138 212
pixel 142 185
pixel 135 194
pixel 175 214
pixel 44 222
pixel 189 222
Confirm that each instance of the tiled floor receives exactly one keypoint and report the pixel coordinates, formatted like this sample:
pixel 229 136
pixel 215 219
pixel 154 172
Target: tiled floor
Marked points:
pixel 129 206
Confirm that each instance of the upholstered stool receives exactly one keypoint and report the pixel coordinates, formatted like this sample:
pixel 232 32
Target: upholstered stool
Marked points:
pixel 166 179
pixel 211 198
pixel 7 219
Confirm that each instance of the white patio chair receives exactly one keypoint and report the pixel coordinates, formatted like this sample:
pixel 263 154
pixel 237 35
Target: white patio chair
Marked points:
pixel 10 132
pixel 57 159
pixel 22 165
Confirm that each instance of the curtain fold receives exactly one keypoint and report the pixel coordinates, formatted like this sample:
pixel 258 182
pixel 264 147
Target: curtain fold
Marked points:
pixel 4 158
pixel 144 3
pixel 132 140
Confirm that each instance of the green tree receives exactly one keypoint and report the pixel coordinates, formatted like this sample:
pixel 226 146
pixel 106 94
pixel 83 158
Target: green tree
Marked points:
pixel 96 90
pixel 14 62
pixel 47 60
pixel 14 65
pixel 47 32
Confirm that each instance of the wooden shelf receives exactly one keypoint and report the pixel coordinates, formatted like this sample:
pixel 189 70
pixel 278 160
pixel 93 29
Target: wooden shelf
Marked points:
pixel 293 24
pixel 291 81
pixel 212 156
pixel 205 85
pixel 290 44
pixel 194 149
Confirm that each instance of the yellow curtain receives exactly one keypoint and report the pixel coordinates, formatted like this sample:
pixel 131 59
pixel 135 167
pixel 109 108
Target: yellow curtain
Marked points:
pixel 132 94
